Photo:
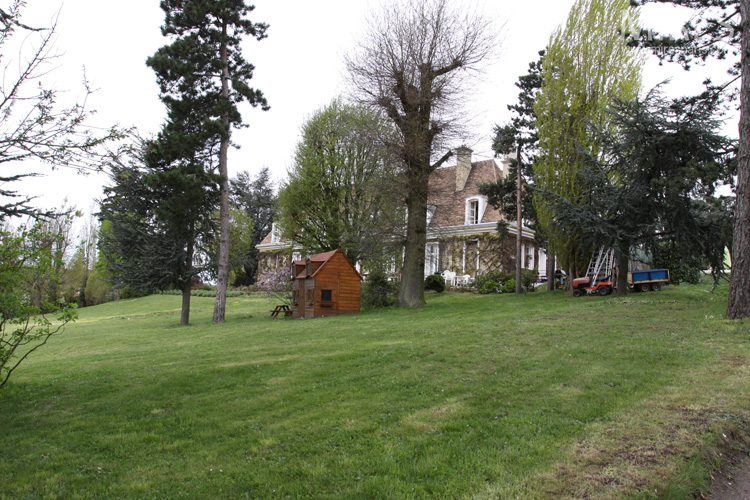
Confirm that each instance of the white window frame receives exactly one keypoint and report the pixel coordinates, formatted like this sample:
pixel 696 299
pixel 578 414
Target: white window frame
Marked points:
pixel 481 205
pixel 528 256
pixel 431 258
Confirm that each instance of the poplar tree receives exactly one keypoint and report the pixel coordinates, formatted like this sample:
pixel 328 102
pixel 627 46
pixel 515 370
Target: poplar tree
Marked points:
pixel 587 63
pixel 202 77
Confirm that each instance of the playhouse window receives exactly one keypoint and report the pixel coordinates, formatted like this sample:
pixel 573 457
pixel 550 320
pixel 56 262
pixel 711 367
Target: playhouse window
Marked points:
pixel 309 295
pixel 296 297
pixel 326 295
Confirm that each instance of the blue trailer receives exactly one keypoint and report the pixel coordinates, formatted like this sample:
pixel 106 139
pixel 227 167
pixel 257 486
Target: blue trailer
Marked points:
pixel 649 279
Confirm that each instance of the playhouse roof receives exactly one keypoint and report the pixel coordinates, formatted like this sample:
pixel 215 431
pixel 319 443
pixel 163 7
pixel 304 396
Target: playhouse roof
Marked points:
pixel 323 258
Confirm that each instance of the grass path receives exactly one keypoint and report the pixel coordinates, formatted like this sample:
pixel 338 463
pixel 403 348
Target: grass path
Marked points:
pixel 539 396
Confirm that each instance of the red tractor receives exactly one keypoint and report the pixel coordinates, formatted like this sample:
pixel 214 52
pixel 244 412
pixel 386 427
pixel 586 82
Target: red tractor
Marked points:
pixel 600 277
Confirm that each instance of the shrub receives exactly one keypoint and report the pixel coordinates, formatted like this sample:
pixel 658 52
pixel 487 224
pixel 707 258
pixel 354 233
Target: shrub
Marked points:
pixel 132 293
pixel 377 291
pixel 490 282
pixel 498 281
pixel 434 282
pixel 668 256
pixel 489 286
pixel 528 279
pixel 509 286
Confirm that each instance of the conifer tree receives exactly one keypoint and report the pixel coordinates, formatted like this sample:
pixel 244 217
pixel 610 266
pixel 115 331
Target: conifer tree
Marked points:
pixel 655 182
pixel 520 136
pixel 156 212
pixel 717 29
pixel 202 77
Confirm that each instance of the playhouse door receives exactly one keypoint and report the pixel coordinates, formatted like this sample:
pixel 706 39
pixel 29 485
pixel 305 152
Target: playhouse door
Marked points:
pixel 309 299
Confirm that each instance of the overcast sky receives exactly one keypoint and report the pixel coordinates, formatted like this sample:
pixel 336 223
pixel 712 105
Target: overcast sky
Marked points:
pixel 299 67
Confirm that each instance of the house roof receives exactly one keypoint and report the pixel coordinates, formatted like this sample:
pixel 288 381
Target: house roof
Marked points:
pixel 449 204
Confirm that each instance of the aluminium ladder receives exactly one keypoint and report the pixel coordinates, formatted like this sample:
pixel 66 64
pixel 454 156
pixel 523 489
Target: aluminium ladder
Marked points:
pixel 601 266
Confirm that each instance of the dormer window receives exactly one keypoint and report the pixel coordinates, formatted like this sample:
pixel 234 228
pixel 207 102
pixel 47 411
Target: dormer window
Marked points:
pixel 475 209
pixel 474 212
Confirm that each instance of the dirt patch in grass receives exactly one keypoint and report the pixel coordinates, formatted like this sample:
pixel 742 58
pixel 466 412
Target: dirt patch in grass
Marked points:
pixel 623 459
pixel 732 482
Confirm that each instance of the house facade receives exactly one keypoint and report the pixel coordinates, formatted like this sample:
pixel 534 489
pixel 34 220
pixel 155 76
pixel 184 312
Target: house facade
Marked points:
pixel 462 234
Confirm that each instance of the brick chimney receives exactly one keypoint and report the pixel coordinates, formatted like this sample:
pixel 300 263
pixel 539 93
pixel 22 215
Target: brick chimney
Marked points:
pixel 506 161
pixel 463 167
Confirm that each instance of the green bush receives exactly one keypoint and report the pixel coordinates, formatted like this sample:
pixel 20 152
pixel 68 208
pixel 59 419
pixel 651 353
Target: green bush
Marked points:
pixel 681 269
pixel 489 286
pixel 490 282
pixel 528 279
pixel 377 291
pixel 435 282
pixel 133 293
pixel 202 293
pixel 498 281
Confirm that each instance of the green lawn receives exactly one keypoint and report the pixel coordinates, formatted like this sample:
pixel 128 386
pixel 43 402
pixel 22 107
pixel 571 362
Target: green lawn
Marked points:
pixel 472 396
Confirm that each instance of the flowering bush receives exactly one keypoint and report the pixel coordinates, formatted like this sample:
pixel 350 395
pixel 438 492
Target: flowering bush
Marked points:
pixel 277 284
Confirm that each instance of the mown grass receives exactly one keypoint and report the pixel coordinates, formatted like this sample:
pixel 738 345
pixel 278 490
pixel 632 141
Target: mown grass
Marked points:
pixel 534 397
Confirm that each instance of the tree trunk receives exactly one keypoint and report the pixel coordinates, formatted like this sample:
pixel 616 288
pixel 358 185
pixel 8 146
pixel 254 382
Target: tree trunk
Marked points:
pixel 623 265
pixel 411 291
pixel 186 286
pixel 550 269
pixel 222 277
pixel 519 221
pixel 739 289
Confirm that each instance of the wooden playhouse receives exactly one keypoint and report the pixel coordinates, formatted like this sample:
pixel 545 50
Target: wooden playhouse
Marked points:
pixel 325 285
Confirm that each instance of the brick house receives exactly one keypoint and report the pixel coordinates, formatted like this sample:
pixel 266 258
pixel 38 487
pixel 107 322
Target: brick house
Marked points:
pixel 462 232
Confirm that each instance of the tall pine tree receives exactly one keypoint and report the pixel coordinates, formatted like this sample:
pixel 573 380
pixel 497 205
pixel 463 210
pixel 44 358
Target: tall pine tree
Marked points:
pixel 519 136
pixel 202 77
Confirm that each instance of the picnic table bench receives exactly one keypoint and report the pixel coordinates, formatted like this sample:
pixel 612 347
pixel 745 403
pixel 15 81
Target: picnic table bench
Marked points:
pixel 279 309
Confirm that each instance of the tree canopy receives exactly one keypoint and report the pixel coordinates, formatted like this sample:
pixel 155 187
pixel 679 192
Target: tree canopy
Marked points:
pixel 156 213
pixel 33 124
pixel 654 182
pixel 341 192
pixel 256 197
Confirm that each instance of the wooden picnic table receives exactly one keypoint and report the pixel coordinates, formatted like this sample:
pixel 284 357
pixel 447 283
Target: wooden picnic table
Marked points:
pixel 279 309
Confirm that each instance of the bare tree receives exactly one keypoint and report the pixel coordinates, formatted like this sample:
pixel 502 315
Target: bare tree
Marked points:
pixel 32 124
pixel 413 65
